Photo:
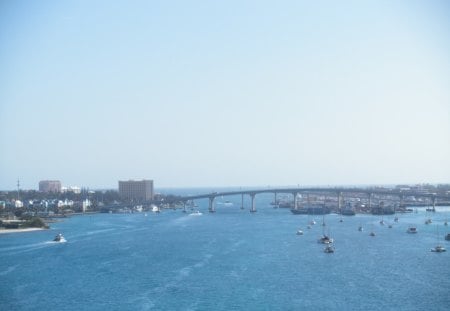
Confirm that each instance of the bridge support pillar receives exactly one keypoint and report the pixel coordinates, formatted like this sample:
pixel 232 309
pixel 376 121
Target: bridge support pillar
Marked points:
pixel 184 206
pixel 253 207
pixel 434 204
pixel 339 198
pixel 242 201
pixel 295 194
pixel 370 201
pixel 211 206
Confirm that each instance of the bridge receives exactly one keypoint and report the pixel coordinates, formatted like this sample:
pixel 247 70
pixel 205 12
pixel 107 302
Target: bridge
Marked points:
pixel 369 193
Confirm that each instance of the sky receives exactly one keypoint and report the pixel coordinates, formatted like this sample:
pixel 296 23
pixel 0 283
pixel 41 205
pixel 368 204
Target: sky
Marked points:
pixel 224 93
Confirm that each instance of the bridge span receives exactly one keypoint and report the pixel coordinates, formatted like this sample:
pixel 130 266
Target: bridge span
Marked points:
pixel 368 193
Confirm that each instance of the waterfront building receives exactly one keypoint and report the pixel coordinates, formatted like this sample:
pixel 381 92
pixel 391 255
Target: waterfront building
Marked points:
pixel 50 186
pixel 136 190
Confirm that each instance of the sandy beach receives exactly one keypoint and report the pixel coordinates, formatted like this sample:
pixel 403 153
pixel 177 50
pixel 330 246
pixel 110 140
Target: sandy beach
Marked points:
pixel 20 230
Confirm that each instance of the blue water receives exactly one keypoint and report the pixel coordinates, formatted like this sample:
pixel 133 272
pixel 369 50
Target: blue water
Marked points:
pixel 230 260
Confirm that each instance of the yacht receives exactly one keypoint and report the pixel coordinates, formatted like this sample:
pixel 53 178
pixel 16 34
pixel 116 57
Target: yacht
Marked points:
pixel 412 230
pixel 196 213
pixel 328 249
pixel 59 238
pixel 438 249
pixel 325 239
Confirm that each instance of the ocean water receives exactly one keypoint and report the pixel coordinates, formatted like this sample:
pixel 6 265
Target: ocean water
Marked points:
pixel 229 260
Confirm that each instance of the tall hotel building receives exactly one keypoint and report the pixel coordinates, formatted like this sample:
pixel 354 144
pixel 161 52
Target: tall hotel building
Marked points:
pixel 50 186
pixel 138 190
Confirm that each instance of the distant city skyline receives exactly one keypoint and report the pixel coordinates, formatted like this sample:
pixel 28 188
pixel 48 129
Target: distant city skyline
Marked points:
pixel 240 93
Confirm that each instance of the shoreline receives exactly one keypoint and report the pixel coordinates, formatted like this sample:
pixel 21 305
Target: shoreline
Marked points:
pixel 4 231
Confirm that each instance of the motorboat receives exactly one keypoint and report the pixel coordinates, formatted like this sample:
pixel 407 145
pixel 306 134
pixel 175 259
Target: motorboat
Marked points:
pixel 155 209
pixel 372 233
pixel 299 232
pixel 438 249
pixel 412 230
pixel 329 249
pixel 312 222
pixel 360 228
pixel 196 213
pixel 59 238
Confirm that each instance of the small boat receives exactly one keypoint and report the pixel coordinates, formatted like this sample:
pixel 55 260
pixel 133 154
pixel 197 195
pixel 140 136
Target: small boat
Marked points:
pixel 196 213
pixel 438 249
pixel 428 221
pixel 360 228
pixel 396 219
pixel 447 237
pixel 412 230
pixel 390 226
pixel 372 233
pixel 155 209
pixel 328 249
pixel 299 232
pixel 308 227
pixel 227 203
pixel 312 222
pixel 59 238
pixel 325 239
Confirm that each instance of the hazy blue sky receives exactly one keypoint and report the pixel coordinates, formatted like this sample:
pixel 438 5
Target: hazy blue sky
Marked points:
pixel 224 93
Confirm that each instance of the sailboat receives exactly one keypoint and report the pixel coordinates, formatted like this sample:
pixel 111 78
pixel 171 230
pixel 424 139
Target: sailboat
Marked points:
pixel 438 248
pixel 329 249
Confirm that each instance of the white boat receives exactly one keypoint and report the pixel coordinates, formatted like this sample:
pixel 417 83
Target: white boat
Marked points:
pixel 59 238
pixel 312 222
pixel 196 213
pixel 412 230
pixel 325 239
pixel 438 249
pixel 299 232
pixel 155 209
pixel 227 203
